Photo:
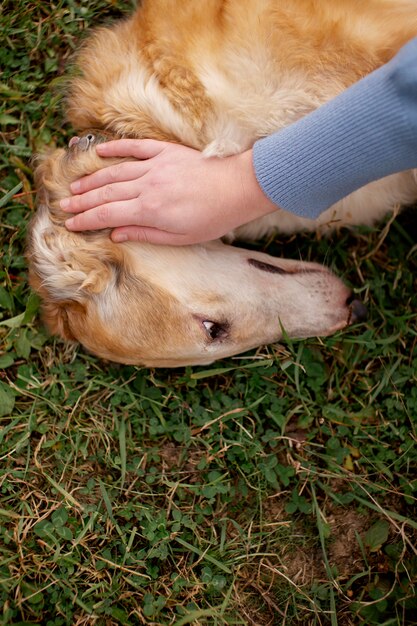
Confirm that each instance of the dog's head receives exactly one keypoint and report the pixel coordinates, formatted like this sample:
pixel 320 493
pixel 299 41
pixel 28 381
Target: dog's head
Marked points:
pixel 167 306
pixel 93 291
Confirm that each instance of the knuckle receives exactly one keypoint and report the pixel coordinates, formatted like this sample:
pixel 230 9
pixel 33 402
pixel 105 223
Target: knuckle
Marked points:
pixel 142 235
pixel 142 213
pixel 106 193
pixel 142 207
pixel 150 201
pixel 114 172
pixel 137 205
pixel 103 214
pixel 156 177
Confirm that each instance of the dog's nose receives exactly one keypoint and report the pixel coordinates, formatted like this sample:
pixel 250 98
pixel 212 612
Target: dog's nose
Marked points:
pixel 358 311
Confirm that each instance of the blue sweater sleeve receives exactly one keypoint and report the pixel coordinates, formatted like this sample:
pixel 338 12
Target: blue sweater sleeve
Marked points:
pixel 367 132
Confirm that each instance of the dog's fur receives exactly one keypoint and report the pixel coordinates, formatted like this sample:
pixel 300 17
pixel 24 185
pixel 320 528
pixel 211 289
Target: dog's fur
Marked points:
pixel 215 75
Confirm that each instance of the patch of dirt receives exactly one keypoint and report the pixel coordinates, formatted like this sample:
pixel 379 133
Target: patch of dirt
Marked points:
pixel 343 549
pixel 303 565
pixel 299 559
pixel 171 455
pixel 303 557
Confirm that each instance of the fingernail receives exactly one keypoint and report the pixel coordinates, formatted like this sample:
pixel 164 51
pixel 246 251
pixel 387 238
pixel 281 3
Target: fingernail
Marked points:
pixel 69 223
pixel 119 237
pixel 75 186
pixel 64 204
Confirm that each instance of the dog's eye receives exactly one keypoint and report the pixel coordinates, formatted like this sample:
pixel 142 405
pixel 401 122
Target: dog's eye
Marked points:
pixel 215 330
pixel 90 138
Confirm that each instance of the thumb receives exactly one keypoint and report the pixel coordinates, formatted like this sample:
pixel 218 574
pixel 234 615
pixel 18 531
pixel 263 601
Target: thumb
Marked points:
pixel 149 235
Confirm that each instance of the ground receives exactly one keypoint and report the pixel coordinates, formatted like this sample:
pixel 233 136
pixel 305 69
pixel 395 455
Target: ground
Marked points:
pixel 278 487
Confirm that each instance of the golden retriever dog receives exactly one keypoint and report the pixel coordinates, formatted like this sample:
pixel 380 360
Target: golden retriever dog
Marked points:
pixel 215 75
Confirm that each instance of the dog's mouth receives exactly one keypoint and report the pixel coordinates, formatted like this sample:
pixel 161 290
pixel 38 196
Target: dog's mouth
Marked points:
pixel 357 311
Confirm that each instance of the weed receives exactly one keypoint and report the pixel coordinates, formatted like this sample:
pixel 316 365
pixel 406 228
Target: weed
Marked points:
pixel 274 488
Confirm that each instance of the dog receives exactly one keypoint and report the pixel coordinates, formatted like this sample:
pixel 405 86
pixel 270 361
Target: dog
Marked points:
pixel 216 76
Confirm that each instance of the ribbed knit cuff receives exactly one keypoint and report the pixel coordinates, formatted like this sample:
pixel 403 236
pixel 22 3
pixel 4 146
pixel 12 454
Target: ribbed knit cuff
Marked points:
pixel 366 133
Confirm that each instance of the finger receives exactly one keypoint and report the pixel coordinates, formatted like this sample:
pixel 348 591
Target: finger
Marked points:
pixel 106 216
pixel 149 235
pixel 103 195
pixel 138 148
pixel 118 172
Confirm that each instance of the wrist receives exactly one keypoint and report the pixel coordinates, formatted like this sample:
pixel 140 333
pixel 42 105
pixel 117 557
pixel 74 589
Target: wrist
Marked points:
pixel 254 203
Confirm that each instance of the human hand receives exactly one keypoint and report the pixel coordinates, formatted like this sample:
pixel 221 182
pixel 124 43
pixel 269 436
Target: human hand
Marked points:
pixel 170 194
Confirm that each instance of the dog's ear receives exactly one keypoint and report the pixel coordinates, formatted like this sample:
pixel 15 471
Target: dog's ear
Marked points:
pixel 57 316
pixel 68 270
pixel 52 182
pixel 69 265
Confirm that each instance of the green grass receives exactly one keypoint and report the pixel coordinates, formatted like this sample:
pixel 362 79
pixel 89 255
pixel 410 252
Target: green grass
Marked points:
pixel 274 488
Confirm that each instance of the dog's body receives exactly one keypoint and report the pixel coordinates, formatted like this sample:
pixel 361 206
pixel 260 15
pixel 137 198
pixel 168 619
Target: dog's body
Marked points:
pixel 214 75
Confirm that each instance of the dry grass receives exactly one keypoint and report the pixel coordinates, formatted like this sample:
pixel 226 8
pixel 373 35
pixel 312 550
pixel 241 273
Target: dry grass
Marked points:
pixel 277 488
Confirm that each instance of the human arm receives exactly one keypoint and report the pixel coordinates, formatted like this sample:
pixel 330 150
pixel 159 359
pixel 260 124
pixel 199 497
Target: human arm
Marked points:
pixel 367 132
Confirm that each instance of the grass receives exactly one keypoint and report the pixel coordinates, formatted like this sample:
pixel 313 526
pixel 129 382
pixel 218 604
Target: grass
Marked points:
pixel 274 488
